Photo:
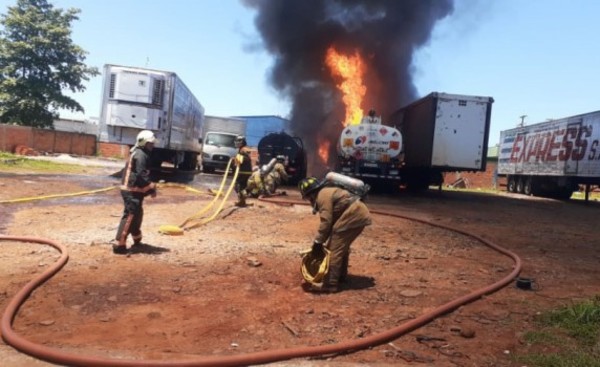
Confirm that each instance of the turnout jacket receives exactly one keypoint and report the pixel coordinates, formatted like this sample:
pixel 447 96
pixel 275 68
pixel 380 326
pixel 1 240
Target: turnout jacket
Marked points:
pixel 136 177
pixel 339 210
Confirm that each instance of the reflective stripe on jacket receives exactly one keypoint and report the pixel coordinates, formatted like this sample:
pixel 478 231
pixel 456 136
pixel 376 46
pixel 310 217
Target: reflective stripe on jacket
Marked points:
pixel 136 176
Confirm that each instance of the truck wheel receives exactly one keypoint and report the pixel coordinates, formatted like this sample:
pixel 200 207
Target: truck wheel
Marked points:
pixel 527 187
pixel 520 184
pixel 512 185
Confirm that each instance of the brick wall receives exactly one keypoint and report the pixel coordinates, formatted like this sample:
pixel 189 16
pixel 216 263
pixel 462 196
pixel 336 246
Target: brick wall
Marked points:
pixel 49 141
pixel 474 180
pixel 111 150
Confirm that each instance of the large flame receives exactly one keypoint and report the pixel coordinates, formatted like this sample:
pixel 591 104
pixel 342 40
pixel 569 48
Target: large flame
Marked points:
pixel 351 69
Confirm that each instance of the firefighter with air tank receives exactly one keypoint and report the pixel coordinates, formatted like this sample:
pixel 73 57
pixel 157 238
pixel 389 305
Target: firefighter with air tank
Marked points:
pixel 343 217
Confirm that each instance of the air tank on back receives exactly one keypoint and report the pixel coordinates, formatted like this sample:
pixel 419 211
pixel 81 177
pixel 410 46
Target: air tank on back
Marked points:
pixel 291 147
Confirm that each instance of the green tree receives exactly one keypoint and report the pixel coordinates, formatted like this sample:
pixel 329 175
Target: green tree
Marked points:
pixel 38 61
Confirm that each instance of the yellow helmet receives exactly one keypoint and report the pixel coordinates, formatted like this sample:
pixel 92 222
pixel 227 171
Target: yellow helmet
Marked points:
pixel 308 185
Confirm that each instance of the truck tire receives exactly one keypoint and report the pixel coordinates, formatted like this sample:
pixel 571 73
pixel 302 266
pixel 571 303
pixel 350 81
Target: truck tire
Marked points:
pixel 519 185
pixel 528 186
pixel 511 186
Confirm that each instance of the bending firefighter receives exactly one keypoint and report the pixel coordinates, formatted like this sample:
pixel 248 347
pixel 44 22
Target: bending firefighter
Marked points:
pixel 277 176
pixel 135 186
pixel 243 161
pixel 343 217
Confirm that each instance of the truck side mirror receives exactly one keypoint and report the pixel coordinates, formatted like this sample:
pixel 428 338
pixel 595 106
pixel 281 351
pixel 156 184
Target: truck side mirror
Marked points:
pixel 199 140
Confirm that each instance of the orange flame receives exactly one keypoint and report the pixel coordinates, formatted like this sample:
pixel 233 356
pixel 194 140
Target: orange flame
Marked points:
pixel 351 69
pixel 324 150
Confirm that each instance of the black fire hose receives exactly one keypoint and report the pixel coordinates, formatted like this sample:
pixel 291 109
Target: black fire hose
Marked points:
pixel 64 358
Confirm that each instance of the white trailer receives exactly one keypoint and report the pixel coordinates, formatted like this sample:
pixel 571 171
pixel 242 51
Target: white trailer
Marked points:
pixel 136 99
pixel 551 158
pixel 437 133
pixel 218 143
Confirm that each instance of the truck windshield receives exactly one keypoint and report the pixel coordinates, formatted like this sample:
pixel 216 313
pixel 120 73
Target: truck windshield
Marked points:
pixel 225 140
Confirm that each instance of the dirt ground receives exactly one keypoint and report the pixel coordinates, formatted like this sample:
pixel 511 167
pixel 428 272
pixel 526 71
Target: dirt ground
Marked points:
pixel 233 285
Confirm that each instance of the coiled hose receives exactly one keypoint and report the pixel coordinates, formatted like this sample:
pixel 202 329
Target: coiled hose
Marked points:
pixel 64 358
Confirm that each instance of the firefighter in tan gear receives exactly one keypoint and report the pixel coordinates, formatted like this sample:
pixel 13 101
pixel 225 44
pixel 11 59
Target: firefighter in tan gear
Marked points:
pixel 343 217
pixel 244 162
pixel 276 176
pixel 256 185
pixel 135 186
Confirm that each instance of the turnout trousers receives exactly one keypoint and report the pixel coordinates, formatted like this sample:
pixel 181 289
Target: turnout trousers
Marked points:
pixel 131 221
pixel 339 245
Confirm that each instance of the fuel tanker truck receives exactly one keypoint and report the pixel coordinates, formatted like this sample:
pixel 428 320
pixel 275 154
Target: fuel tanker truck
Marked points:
pixel 420 142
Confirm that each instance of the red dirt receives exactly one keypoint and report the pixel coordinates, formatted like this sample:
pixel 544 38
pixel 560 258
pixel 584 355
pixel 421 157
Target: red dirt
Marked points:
pixel 199 294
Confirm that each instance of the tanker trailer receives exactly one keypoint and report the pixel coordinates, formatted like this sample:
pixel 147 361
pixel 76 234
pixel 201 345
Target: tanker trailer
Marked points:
pixel 371 151
pixel 291 147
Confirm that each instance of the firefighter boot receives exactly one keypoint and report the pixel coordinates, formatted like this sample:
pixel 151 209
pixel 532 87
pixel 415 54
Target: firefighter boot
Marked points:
pixel 241 199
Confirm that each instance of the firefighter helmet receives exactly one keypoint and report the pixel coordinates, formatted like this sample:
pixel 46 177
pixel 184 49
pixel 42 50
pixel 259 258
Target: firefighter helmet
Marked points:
pixel 308 185
pixel 240 141
pixel 145 136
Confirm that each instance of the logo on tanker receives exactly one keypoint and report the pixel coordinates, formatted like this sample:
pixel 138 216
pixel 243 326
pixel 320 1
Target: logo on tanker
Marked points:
pixel 360 140
pixel 383 131
pixel 394 145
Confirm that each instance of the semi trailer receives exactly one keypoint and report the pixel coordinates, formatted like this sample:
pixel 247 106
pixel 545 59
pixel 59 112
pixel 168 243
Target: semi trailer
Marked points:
pixel 420 142
pixel 136 99
pixel 551 158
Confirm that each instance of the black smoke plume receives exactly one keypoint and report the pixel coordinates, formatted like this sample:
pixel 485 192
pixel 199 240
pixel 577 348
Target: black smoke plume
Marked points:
pixel 386 33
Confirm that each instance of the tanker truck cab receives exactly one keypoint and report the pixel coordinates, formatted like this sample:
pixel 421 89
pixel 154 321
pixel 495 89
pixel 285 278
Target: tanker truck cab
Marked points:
pixel 217 150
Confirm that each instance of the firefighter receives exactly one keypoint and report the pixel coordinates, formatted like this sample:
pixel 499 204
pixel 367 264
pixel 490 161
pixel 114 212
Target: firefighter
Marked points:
pixel 135 186
pixel 343 217
pixel 256 186
pixel 277 176
pixel 244 162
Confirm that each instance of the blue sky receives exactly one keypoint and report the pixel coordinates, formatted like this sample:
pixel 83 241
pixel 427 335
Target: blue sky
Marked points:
pixel 538 58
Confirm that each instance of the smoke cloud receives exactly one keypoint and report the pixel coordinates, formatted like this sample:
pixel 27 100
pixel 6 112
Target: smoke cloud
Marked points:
pixel 386 33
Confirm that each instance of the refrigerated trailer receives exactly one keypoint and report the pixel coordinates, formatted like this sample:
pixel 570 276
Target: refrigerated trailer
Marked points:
pixel 136 99
pixel 552 158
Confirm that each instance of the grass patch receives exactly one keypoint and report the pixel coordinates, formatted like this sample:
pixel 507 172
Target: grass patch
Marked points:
pixel 566 337
pixel 17 163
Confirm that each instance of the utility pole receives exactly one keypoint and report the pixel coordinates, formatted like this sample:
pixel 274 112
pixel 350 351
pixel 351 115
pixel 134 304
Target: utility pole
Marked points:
pixel 522 123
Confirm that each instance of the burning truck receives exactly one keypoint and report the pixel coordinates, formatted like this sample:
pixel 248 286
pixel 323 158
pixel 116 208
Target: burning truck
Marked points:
pixel 436 134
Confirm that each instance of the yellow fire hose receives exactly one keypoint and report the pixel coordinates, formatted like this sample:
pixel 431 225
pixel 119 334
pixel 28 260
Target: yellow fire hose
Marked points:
pixel 33 198
pixel 165 229
pixel 177 230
